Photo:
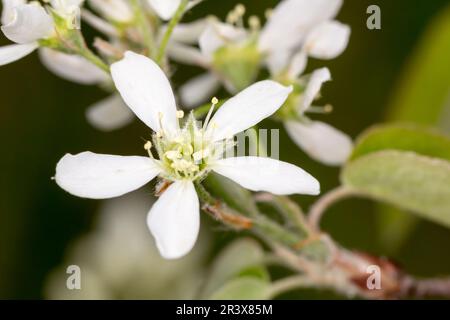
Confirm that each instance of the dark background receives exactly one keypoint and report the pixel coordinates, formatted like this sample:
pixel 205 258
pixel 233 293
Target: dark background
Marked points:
pixel 42 118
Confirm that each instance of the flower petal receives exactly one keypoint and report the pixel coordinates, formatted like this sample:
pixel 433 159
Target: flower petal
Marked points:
pixel 72 67
pixel 215 36
pixel 321 141
pixel 109 114
pixel 116 10
pixel 328 40
pixel 8 9
pixel 188 33
pixel 198 90
pixel 297 65
pixel 265 174
pixel 292 19
pixel 247 108
pixel 174 220
pixel 277 61
pixel 186 54
pixel 146 90
pixel 30 23
pixel 165 8
pixel 14 52
pixel 101 176
pixel 318 77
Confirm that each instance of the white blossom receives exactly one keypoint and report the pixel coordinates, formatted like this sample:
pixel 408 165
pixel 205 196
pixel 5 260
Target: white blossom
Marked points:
pixel 184 154
pixel 319 140
pixel 306 26
pixel 25 24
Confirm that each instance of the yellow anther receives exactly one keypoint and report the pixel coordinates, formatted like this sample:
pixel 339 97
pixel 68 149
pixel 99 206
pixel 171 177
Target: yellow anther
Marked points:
pixel 180 114
pixel 159 134
pixel 239 9
pixel 328 108
pixel 214 101
pixel 231 17
pixel 268 13
pixel 148 145
pixel 254 22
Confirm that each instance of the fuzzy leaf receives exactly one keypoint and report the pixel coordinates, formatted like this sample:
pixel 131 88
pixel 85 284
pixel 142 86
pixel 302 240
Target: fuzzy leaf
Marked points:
pixel 239 258
pixel 400 137
pixel 422 96
pixel 413 182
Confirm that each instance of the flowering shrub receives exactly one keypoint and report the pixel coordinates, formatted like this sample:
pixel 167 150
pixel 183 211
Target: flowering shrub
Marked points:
pixel 197 160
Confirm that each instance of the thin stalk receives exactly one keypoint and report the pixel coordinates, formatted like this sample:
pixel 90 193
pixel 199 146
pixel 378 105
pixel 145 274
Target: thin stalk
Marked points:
pixel 290 283
pixel 172 24
pixel 144 26
pixel 324 202
pixel 92 57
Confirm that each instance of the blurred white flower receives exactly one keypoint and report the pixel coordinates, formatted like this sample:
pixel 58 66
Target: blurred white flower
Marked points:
pixel 25 24
pixel 305 27
pixel 115 10
pixel 118 259
pixel 185 154
pixel 319 140
pixel 295 30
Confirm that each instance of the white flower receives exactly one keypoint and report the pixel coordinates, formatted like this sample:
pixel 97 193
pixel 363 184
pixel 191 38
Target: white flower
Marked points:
pixel 303 26
pixel 295 30
pixel 25 24
pixel 184 154
pixel 321 141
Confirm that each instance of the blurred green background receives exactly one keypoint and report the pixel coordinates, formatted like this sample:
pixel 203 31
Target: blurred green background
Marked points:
pixel 42 118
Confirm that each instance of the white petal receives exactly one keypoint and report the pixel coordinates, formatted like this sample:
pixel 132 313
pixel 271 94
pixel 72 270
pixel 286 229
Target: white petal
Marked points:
pixel 198 90
pixel 30 23
pixel 14 52
pixel 109 114
pixel 174 220
pixel 117 10
pixel 8 9
pixel 247 108
pixel 318 77
pixel 216 35
pixel 321 141
pixel 265 174
pixel 72 67
pixel 297 65
pixel 189 33
pixel 328 40
pixel 101 176
pixel 146 90
pixel 277 61
pixel 292 19
pixel 187 54
pixel 98 23
pixel 165 8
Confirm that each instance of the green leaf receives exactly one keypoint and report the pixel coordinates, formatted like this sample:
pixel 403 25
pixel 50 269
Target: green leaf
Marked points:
pixel 240 258
pixel 244 288
pixel 422 96
pixel 231 193
pixel 405 179
pixel 403 137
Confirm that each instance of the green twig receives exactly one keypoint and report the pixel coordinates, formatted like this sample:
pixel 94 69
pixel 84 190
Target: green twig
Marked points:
pixel 172 24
